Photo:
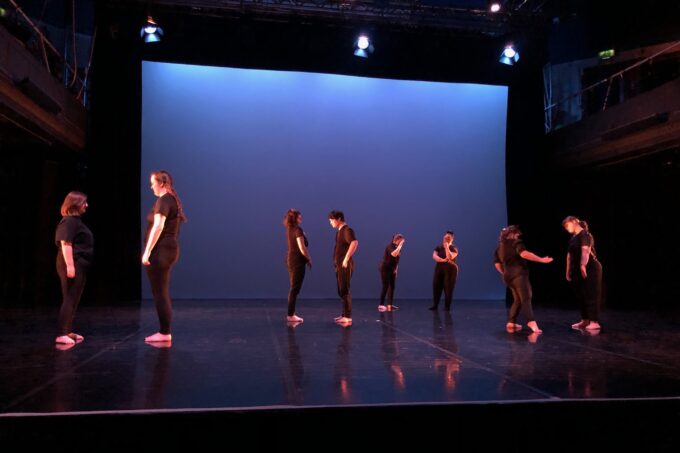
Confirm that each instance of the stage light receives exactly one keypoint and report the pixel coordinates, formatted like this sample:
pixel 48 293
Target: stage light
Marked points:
pixel 509 56
pixel 494 7
pixel 151 32
pixel 363 46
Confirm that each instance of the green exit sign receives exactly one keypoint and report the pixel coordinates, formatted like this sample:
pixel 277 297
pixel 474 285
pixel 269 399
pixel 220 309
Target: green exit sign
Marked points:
pixel 606 54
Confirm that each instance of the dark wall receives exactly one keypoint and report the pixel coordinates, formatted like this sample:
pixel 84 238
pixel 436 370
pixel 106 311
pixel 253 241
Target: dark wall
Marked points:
pixel 34 178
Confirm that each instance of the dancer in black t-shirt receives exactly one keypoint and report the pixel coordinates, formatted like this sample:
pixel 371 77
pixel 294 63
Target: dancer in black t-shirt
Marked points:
pixel 75 245
pixel 510 260
pixel 445 271
pixel 345 246
pixel 584 271
pixel 388 272
pixel 162 248
pixel 297 257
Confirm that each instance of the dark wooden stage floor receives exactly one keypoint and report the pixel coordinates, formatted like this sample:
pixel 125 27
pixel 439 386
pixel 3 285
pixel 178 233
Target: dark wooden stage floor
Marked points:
pixel 240 355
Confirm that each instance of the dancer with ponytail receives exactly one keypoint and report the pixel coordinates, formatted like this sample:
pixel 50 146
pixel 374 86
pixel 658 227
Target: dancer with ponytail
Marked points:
pixel 584 272
pixel 162 248
pixel 511 260
pixel 297 258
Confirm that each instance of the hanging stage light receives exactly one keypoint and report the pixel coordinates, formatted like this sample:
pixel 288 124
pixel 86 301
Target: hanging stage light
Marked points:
pixel 151 32
pixel 363 46
pixel 494 7
pixel 509 56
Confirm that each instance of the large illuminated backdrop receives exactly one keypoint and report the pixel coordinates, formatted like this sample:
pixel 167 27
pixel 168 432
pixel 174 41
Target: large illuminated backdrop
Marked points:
pixel 396 156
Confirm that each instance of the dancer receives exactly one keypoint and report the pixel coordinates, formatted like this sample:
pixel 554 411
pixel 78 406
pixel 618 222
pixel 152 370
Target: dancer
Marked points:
pixel 445 271
pixel 298 257
pixel 345 246
pixel 75 248
pixel 388 272
pixel 584 272
pixel 511 261
pixel 162 248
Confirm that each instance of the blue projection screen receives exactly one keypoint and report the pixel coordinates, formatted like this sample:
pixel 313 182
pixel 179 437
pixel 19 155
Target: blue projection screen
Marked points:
pixel 396 156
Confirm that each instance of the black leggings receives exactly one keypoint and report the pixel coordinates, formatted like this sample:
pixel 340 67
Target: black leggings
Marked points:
pixel 589 291
pixel 71 290
pixel 163 257
pixel 344 276
pixel 389 278
pixel 445 276
pixel 521 297
pixel 296 273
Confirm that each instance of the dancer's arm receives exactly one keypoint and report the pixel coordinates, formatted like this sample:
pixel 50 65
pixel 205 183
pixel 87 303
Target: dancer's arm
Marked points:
pixel 67 251
pixel 154 234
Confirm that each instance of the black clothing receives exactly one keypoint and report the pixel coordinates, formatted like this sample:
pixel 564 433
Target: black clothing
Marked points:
pixel 163 257
pixel 296 273
pixel 588 291
pixel 295 256
pixel 389 261
pixel 583 239
pixel 166 205
pixel 516 276
pixel 445 276
pixel 389 279
pixel 344 276
pixel 71 290
pixel 508 254
pixel 343 239
pixel 388 276
pixel 72 229
pixel 296 265
pixel 521 298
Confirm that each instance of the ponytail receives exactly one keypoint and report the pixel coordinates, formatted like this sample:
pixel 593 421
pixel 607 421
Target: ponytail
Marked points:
pixel 164 178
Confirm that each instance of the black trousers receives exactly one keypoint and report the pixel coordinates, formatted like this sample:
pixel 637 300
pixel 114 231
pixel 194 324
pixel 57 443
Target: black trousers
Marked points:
pixel 344 276
pixel 445 276
pixel 296 273
pixel 71 291
pixel 389 278
pixel 521 297
pixel 588 291
pixel 163 256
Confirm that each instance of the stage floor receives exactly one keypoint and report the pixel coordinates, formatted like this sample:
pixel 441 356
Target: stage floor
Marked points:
pixel 243 354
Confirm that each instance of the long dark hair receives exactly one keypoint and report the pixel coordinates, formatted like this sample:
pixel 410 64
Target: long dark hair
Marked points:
pixel 573 219
pixel 507 231
pixel 290 220
pixel 164 178
pixel 73 204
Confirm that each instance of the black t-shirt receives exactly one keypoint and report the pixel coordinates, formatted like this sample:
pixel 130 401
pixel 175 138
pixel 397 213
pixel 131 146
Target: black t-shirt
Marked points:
pixel 442 253
pixel 390 262
pixel 583 239
pixel 294 254
pixel 508 254
pixel 166 205
pixel 72 229
pixel 343 239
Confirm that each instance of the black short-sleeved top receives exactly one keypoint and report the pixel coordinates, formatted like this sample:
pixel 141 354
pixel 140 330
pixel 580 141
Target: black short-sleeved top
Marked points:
pixel 442 253
pixel 294 254
pixel 343 239
pixel 166 205
pixel 390 262
pixel 583 239
pixel 72 229
pixel 508 254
